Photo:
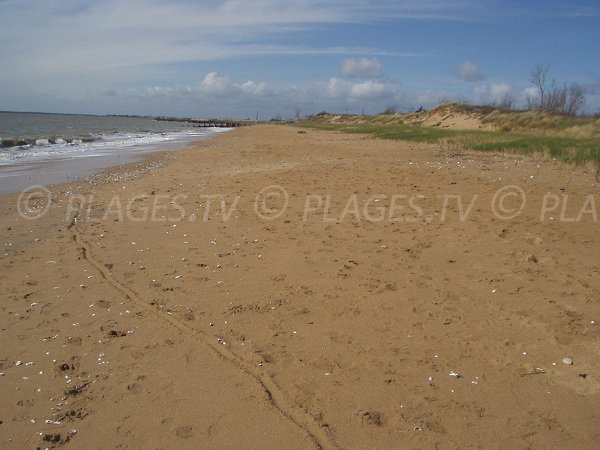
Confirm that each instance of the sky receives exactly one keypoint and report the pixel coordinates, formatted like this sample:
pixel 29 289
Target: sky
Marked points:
pixel 282 58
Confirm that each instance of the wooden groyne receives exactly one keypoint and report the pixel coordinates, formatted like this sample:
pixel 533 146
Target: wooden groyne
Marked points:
pixel 218 123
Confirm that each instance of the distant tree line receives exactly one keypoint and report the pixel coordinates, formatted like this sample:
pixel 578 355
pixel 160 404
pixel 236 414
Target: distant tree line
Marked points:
pixel 562 99
pixel 550 96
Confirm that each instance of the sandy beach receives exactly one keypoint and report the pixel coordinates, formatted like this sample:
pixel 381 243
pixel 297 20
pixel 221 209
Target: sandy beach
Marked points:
pixel 275 287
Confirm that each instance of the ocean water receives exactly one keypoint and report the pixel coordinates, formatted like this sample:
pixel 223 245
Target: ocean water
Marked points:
pixel 26 137
pixel 53 148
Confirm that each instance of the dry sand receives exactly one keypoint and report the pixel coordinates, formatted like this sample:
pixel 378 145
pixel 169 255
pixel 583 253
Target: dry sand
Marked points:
pixel 316 328
pixel 451 119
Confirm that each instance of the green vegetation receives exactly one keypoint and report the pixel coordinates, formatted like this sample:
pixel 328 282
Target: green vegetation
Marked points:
pixel 573 149
pixel 548 123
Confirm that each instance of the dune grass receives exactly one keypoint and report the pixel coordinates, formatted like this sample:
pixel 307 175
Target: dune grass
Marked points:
pixel 564 148
pixel 544 123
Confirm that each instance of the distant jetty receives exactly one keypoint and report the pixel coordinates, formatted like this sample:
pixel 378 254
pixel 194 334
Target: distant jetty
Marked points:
pixel 217 123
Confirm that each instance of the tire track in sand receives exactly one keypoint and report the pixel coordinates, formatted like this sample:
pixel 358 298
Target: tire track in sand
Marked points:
pixel 317 434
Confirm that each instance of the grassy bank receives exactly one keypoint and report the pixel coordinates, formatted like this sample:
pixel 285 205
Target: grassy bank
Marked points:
pixel 577 150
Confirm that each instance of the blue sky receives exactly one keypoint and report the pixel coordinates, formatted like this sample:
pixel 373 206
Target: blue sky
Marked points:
pixel 235 58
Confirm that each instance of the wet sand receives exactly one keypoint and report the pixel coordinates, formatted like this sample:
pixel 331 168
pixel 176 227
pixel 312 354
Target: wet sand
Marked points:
pixel 270 288
pixel 72 167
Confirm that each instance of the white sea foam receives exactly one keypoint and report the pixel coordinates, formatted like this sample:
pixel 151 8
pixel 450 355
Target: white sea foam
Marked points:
pixel 44 149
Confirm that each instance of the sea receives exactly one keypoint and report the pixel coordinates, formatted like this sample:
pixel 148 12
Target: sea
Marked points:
pixel 40 148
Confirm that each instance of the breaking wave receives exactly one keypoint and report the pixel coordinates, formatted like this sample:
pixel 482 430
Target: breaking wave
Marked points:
pixel 16 150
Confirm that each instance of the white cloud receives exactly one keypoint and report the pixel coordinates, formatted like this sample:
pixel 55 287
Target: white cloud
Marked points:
pixel 529 96
pixel 215 84
pixel 219 93
pixel 373 89
pixel 492 93
pixel 530 92
pixel 467 71
pixel 337 88
pixel 361 67
pixel 370 90
pixel 499 90
pixel 253 88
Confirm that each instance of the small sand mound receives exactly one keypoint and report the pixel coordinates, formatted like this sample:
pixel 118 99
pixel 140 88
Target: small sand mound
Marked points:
pixel 448 118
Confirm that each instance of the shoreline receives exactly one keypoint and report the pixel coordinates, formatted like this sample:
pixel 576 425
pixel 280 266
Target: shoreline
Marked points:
pixel 18 177
pixel 311 289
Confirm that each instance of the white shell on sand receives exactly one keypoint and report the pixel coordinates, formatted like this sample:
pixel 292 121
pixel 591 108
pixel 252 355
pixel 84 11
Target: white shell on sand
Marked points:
pixel 568 361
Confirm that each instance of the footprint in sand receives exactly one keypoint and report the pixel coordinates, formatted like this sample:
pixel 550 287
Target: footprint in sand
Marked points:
pixel 185 432
pixel 104 304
